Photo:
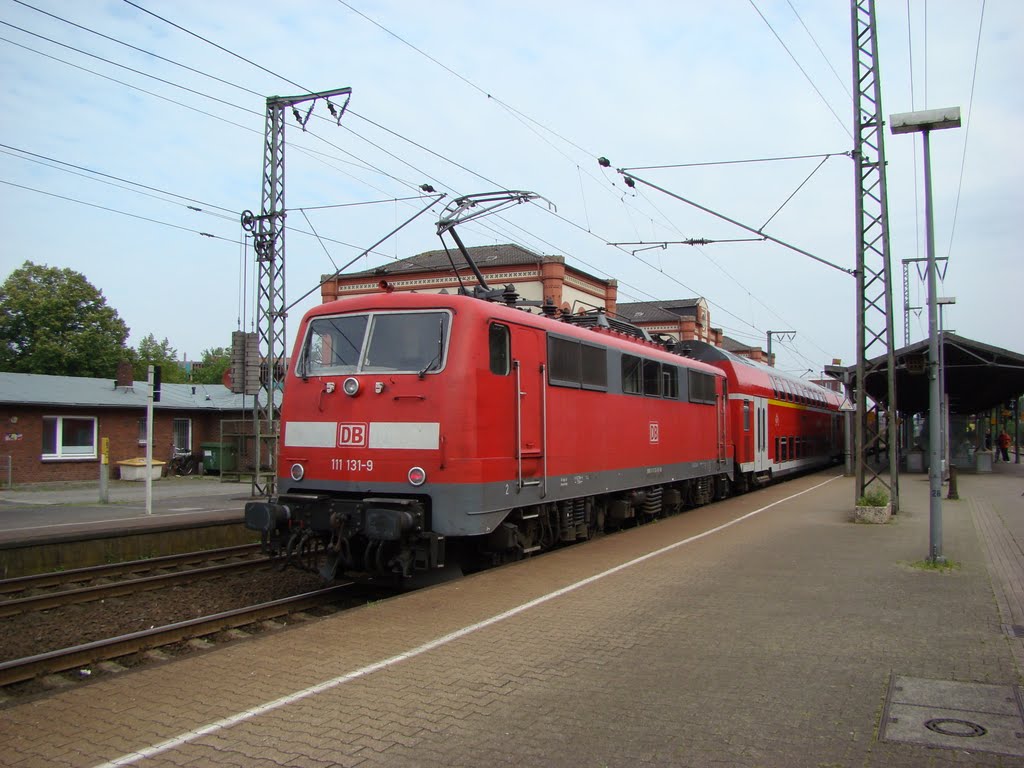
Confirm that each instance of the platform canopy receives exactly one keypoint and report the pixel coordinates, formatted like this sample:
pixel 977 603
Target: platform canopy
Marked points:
pixel 978 376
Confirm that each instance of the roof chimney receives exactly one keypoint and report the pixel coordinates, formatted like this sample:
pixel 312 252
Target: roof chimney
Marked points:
pixel 125 376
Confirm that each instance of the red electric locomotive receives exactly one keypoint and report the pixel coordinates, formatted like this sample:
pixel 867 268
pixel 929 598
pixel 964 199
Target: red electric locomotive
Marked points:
pixel 417 428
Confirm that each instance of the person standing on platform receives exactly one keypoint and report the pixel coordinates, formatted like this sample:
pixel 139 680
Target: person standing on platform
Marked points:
pixel 1003 441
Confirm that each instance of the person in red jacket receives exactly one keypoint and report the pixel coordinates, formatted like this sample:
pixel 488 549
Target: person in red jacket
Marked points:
pixel 1003 441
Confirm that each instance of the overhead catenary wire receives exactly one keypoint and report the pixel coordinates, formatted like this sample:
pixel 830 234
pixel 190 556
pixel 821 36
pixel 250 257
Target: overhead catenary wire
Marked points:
pixel 300 86
pixel 824 155
pixel 116 178
pixel 115 210
pixel 802 70
pixel 232 217
pixel 224 102
pixel 140 50
pixel 468 82
pixel 967 127
pixel 742 226
pixel 746 290
pixel 845 86
pixel 223 81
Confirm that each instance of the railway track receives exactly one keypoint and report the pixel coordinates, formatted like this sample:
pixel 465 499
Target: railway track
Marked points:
pixel 83 656
pixel 97 572
pixel 48 600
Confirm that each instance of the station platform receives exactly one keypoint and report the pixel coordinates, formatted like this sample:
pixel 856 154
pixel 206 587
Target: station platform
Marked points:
pixel 51 510
pixel 765 630
pixel 64 525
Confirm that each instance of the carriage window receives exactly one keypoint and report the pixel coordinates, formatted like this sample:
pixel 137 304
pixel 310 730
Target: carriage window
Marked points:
pixel 702 387
pixel 594 367
pixel 652 378
pixel 563 361
pixel 670 375
pixel 498 342
pixel 631 375
pixel 746 415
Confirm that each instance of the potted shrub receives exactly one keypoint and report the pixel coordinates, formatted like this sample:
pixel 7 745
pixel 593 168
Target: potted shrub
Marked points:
pixel 873 507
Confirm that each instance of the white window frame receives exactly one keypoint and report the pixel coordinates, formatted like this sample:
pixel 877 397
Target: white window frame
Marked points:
pixel 174 433
pixel 73 453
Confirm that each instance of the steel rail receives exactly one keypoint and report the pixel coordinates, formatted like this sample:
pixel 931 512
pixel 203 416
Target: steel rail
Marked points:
pixel 19 670
pixel 121 588
pixel 56 578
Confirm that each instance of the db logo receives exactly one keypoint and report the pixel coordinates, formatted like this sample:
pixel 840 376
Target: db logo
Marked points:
pixel 352 434
pixel 654 431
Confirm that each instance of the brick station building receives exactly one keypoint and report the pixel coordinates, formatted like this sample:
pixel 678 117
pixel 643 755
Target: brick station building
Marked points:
pixel 52 426
pixel 534 277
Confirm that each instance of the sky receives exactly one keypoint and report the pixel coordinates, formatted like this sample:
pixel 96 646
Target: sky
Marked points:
pixel 473 97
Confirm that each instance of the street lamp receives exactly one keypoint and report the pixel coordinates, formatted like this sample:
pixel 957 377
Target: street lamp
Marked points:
pixel 924 123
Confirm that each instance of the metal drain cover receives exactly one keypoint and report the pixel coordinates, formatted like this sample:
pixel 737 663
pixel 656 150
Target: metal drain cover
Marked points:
pixel 941 713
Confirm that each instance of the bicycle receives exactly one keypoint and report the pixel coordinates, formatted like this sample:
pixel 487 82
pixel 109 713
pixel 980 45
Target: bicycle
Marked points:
pixel 185 463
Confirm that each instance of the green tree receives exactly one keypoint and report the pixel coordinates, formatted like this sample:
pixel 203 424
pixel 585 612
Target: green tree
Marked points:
pixel 54 321
pixel 153 352
pixel 213 364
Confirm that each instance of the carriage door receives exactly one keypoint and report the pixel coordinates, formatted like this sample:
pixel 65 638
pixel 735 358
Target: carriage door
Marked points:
pixel 529 370
pixel 723 403
pixel 761 463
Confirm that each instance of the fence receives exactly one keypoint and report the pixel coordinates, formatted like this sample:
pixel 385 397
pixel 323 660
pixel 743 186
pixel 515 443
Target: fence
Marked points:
pixel 6 471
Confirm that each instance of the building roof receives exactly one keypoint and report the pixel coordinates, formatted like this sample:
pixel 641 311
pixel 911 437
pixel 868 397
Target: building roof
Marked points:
pixel 732 345
pixel 432 261
pixel 39 389
pixel 978 376
pixel 657 311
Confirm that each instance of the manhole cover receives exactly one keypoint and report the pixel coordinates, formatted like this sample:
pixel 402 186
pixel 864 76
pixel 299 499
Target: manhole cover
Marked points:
pixel 947 726
pixel 954 715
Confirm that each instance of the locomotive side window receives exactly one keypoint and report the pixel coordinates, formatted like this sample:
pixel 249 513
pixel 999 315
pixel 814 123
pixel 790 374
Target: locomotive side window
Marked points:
pixel 632 382
pixel 652 378
pixel 574 364
pixel 334 344
pixel 702 387
pixel 594 367
pixel 563 361
pixel 498 343
pixel 746 415
pixel 670 376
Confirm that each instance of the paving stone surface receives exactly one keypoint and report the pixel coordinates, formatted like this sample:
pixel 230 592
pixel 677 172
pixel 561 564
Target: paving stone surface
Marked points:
pixel 771 642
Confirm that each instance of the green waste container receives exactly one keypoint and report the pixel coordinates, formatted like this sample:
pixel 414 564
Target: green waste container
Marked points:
pixel 219 457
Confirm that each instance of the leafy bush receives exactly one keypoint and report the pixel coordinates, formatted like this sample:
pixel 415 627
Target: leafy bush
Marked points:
pixel 875 497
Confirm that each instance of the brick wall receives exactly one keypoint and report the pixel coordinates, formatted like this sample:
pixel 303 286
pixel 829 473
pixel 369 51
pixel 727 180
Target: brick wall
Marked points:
pixel 22 439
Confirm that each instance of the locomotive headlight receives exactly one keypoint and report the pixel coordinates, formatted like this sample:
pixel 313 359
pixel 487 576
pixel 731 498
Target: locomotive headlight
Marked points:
pixel 417 476
pixel 351 386
pixel 297 472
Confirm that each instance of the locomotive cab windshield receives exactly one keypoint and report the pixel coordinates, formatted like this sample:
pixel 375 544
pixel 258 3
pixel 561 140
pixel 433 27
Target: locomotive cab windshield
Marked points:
pixel 380 342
